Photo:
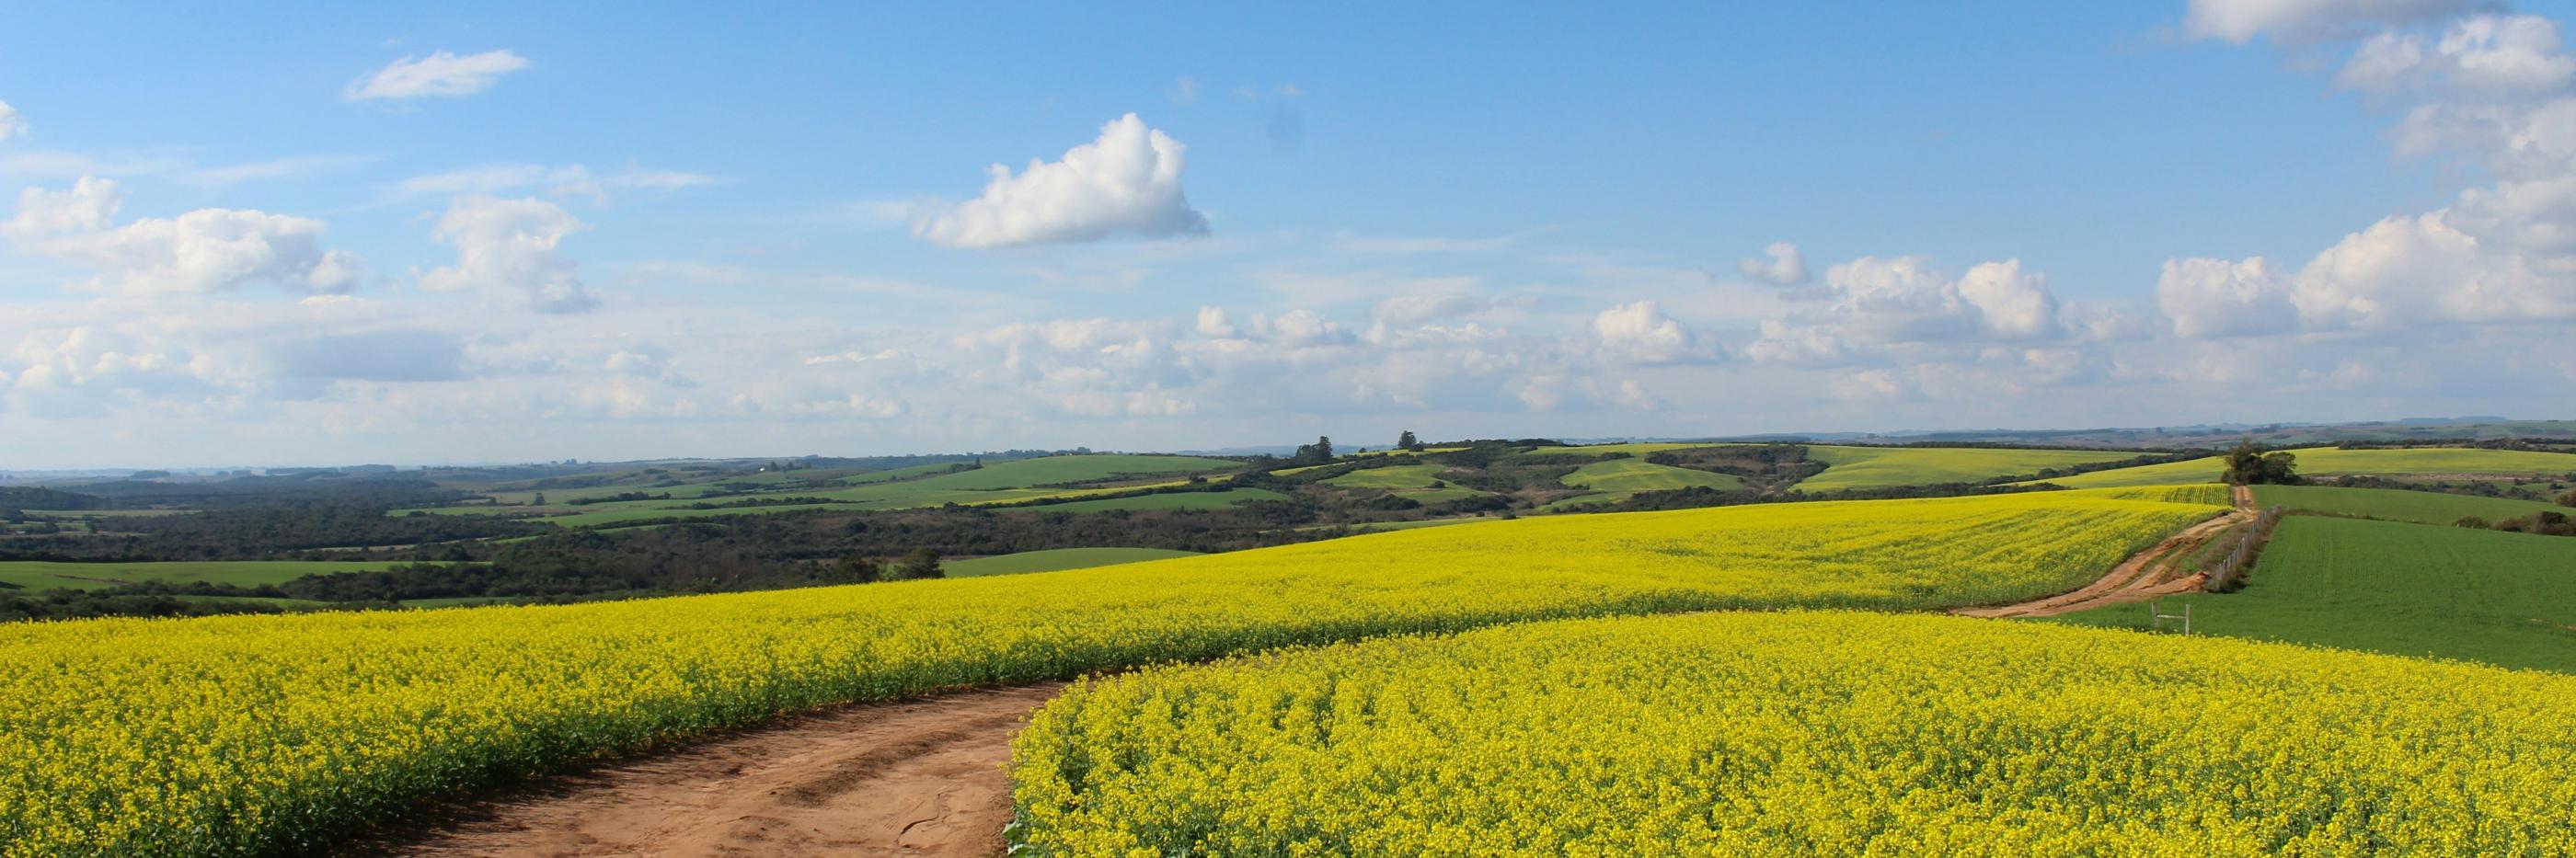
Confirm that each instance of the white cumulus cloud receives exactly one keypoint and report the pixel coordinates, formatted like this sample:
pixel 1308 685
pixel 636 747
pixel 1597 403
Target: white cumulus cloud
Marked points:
pixel 511 247
pixel 88 205
pixel 439 75
pixel 1779 265
pixel 1640 333
pixel 2215 297
pixel 11 124
pixel 1126 183
pixel 2491 89
pixel 206 250
pixel 2239 21
pixel 1881 302
pixel 2489 55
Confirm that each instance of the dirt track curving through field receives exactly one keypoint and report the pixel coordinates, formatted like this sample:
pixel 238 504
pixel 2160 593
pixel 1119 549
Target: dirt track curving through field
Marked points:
pixel 919 777
pixel 2146 575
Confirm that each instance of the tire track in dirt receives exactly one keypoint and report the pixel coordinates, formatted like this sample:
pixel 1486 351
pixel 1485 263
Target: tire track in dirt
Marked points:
pixel 2145 575
pixel 914 778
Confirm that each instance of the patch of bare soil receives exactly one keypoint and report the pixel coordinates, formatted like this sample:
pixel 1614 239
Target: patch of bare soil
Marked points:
pixel 915 778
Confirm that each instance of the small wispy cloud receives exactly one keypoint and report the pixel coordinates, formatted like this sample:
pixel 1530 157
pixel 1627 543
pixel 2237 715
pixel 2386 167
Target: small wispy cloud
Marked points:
pixel 439 75
pixel 275 168
pixel 572 180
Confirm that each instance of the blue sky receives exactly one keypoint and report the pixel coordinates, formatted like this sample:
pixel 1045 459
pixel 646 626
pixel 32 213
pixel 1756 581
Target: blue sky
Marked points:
pixel 490 232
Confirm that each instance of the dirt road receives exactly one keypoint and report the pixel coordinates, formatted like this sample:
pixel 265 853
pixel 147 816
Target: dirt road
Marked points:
pixel 2146 575
pixel 917 778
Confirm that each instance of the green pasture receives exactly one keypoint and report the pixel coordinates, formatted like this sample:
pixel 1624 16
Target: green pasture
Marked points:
pixel 51 575
pixel 2396 504
pixel 1167 500
pixel 1638 475
pixel 1053 559
pixel 2329 461
pixel 1390 477
pixel 2408 589
pixel 1850 468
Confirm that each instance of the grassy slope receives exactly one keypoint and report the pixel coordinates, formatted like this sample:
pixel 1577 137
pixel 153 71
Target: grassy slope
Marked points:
pixel 1882 467
pixel 893 474
pixel 1412 481
pixel 694 486
pixel 1170 500
pixel 1390 477
pixel 2396 504
pixel 1640 449
pixel 2328 461
pixel 616 513
pixel 1012 480
pixel 1377 526
pixel 996 482
pixel 1019 473
pixel 1636 475
pixel 2408 589
pixel 46 575
pixel 1056 558
pixel 1615 480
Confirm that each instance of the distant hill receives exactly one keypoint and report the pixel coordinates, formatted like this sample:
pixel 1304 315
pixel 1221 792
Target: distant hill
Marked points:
pixel 2413 429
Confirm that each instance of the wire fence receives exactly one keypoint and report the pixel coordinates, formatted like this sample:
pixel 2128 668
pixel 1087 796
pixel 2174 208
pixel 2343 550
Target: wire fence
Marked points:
pixel 2228 575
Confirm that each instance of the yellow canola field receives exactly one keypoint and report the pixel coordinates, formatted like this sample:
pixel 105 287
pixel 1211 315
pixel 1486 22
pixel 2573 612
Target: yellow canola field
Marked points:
pixel 1803 733
pixel 2212 494
pixel 264 733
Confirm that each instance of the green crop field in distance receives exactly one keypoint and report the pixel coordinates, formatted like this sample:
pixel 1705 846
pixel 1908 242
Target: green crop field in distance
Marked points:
pixel 50 575
pixel 59 514
pixel 2396 504
pixel 253 600
pixel 2328 461
pixel 1395 452
pixel 601 514
pixel 2408 589
pixel 457 601
pixel 1440 495
pixel 903 473
pixel 1640 449
pixel 1054 559
pixel 473 509
pixel 1021 473
pixel 1167 500
pixel 1638 475
pixel 1415 482
pixel 1886 467
pixel 1616 480
pixel 1381 526
pixel 1390 477
pixel 1002 481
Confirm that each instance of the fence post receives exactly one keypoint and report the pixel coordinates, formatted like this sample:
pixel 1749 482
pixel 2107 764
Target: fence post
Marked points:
pixel 2156 616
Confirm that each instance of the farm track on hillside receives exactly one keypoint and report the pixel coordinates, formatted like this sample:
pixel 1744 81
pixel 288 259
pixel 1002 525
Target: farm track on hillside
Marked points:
pixel 2146 575
pixel 919 777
